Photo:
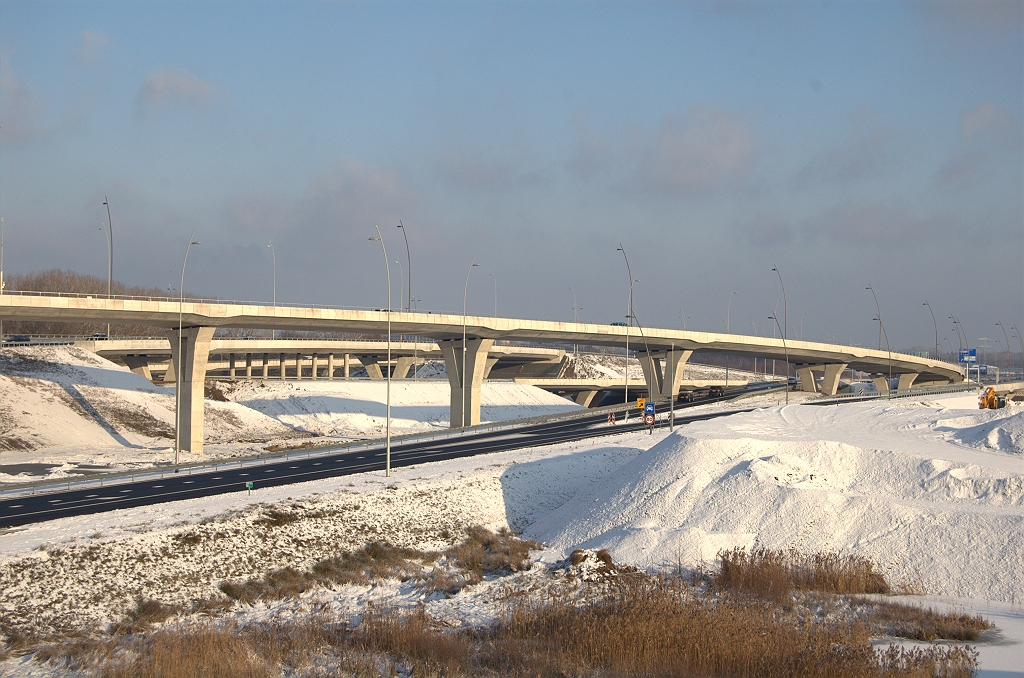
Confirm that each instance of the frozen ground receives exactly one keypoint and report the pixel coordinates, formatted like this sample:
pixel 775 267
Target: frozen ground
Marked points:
pixel 932 490
pixel 67 412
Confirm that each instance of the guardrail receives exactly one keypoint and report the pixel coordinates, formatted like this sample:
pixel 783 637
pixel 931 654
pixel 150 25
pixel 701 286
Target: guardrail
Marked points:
pixel 962 387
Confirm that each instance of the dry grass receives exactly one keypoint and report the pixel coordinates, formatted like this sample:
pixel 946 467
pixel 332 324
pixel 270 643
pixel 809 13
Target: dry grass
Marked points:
pixel 652 628
pixel 486 552
pixel 774 574
pixel 924 623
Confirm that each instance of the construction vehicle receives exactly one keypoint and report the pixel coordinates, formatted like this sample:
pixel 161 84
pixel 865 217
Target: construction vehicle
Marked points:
pixel 990 401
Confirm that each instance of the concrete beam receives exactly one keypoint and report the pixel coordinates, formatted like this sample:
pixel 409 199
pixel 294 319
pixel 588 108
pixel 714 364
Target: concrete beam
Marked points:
pixel 830 384
pixel 906 381
pixel 139 364
pixel 189 352
pixel 373 370
pixel 663 371
pixel 881 384
pixel 805 375
pixel 404 365
pixel 585 398
pixel 465 406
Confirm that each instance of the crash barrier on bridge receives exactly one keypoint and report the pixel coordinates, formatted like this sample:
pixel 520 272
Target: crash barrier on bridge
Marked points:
pixel 894 394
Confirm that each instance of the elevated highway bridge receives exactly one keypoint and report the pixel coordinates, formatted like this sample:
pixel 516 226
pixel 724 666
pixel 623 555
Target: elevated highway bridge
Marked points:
pixel 662 352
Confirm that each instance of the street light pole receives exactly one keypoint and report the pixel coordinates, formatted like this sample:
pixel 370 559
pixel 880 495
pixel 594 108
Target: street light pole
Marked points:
pixel 728 310
pixel 408 268
pixel 786 349
pixel 629 322
pixel 1021 342
pixel 879 310
pixel 181 362
pixel 494 279
pixel 784 330
pixel 886 335
pixel 465 290
pixel 273 255
pixel 110 254
pixel 1000 324
pixel 936 328
pixel 387 421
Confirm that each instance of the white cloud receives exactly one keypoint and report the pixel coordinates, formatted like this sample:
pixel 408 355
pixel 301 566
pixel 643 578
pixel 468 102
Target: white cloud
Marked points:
pixel 704 151
pixel 480 171
pixel 866 153
pixel 987 133
pixel 22 111
pixel 91 46
pixel 163 89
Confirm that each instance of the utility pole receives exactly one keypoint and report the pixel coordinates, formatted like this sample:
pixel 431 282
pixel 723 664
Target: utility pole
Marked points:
pixel 110 253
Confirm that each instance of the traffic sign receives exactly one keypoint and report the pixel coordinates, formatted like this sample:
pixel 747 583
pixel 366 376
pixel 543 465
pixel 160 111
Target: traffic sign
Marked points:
pixel 968 356
pixel 649 419
pixel 640 402
pixel 648 408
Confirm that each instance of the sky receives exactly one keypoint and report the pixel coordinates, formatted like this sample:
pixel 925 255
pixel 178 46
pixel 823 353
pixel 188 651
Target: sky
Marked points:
pixel 847 144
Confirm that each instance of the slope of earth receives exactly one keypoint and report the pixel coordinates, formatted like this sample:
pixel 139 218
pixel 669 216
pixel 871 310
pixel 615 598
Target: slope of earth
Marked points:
pixel 61 404
pixel 357 408
pixel 911 485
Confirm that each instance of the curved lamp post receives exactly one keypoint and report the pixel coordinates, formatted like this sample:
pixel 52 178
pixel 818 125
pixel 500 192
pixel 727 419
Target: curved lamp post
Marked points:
pixel 936 328
pixel 110 253
pixel 1021 342
pixel 728 309
pixel 494 279
pixel 629 322
pixel 408 268
pixel 786 349
pixel 465 290
pixel 878 309
pixel 181 369
pixel 785 311
pixel 273 256
pixel 387 423
pixel 1000 324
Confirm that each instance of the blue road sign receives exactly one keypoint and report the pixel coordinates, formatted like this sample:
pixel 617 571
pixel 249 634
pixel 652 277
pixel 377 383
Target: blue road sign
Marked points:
pixel 648 408
pixel 968 356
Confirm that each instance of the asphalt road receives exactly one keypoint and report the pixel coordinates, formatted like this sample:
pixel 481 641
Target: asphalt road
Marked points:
pixel 23 510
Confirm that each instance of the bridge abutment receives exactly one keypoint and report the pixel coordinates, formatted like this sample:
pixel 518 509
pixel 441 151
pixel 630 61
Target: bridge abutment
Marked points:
pixel 190 351
pixel 465 403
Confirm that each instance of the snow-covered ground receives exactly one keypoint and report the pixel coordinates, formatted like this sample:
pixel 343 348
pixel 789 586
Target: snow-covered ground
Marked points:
pixel 66 412
pixel 930 489
pixel 356 409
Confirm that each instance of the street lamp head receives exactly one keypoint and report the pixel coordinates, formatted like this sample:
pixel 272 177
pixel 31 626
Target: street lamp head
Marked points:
pixel 473 265
pixel 196 242
pixel 377 239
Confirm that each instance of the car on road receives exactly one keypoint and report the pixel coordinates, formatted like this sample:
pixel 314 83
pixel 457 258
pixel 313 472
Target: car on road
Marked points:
pixel 98 335
pixel 18 339
pixel 685 397
pixel 618 324
pixel 716 392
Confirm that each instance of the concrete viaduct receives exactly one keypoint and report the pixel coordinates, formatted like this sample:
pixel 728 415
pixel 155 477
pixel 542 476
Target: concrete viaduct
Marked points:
pixel 662 352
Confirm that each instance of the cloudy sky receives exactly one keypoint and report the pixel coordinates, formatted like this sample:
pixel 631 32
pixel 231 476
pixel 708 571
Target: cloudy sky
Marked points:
pixel 848 143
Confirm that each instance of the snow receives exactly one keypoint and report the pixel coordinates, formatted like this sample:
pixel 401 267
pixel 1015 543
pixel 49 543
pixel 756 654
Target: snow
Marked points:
pixel 356 409
pixel 931 489
pixel 66 412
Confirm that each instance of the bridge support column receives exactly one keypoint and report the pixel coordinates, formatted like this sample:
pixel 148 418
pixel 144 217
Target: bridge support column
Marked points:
pixel 465 406
pixel 280 362
pixel 906 381
pixel 373 370
pixel 805 375
pixel 348 365
pixel 402 367
pixel 830 384
pixel 190 351
pixel 330 366
pixel 231 366
pixel 585 398
pixel 881 384
pixel 248 365
pixel 315 358
pixel 663 372
pixel 139 364
pixel 263 365
pixel 298 366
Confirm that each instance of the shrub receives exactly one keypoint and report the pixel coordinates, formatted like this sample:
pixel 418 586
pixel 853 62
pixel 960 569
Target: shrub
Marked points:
pixel 773 574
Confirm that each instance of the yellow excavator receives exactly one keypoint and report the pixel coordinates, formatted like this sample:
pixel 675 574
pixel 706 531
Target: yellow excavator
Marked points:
pixel 990 401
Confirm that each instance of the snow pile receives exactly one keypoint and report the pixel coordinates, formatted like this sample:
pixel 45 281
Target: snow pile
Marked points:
pixel 1002 431
pixel 357 408
pixel 891 482
pixel 59 396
